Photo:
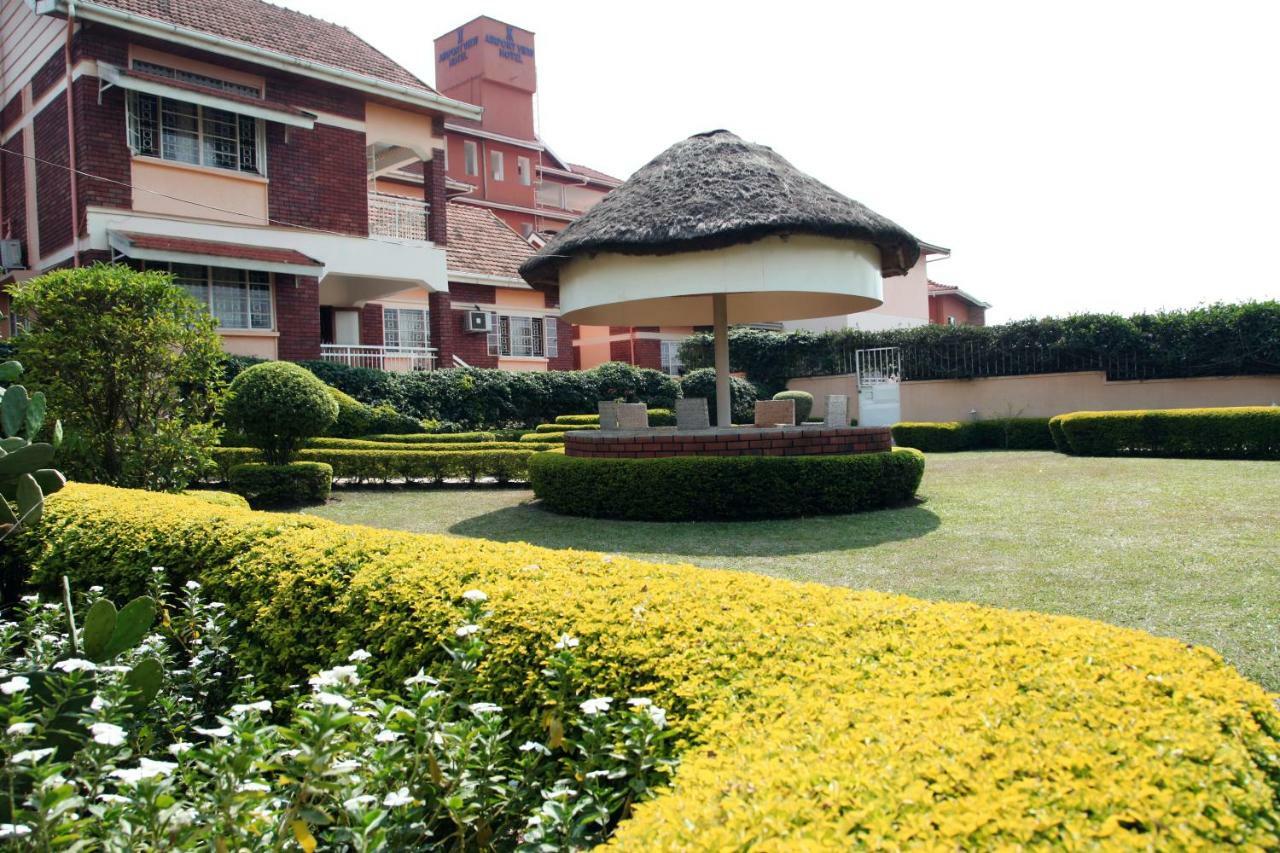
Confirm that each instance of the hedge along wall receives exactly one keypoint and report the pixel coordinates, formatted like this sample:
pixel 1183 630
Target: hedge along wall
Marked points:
pixel 1246 432
pixel 814 716
pixel 996 434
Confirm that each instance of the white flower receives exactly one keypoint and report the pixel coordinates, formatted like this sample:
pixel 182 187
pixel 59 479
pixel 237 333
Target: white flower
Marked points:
pixel 335 676
pixel 397 799
pixel 95 589
pixel 359 655
pixel 420 678
pixel 600 705
pixel 639 702
pixel 255 787
pixel 159 570
pixel 386 736
pixel 349 765
pixel 17 684
pixel 467 630
pixel 31 756
pixel 14 830
pixel 485 708
pixel 220 731
pixel 658 715
pixel 30 599
pixel 533 745
pixel 107 734
pixel 98 703
pixel 192 585
pixel 146 769
pixel 21 729
pixel 75 665
pixel 115 799
pixel 356 802
pixel 567 641
pixel 334 699
pixel 180 747
pixel 597 774
pixel 475 595
pixel 262 706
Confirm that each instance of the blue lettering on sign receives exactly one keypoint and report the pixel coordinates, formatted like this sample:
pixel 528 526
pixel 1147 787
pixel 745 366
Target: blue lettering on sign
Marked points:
pixel 458 52
pixel 508 49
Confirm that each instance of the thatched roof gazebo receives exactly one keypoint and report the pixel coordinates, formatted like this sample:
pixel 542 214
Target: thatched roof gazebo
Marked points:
pixel 716 230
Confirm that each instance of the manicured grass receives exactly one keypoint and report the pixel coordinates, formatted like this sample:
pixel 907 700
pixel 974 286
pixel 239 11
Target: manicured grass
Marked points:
pixel 1181 548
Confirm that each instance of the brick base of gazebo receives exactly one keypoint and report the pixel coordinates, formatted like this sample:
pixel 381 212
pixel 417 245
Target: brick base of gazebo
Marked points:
pixel 735 441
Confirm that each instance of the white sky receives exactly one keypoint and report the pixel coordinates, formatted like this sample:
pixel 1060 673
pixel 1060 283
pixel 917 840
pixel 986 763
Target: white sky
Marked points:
pixel 1116 156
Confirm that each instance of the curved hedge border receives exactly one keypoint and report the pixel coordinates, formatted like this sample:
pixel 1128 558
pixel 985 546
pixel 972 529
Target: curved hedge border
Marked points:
pixel 384 466
pixel 816 717
pixel 432 438
pixel 994 434
pixel 657 417
pixel 455 446
pixel 1245 432
pixel 690 488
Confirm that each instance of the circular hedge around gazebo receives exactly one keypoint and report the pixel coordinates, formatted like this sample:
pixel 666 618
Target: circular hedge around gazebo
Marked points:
pixel 725 488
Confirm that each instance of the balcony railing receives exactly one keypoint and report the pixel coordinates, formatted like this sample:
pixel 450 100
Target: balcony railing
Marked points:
pixel 396 216
pixel 394 359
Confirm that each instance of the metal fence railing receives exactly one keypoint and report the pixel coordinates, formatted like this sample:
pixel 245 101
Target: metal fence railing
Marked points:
pixel 973 360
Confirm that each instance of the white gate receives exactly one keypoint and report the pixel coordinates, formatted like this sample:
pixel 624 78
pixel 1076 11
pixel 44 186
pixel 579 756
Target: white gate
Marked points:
pixel 879 400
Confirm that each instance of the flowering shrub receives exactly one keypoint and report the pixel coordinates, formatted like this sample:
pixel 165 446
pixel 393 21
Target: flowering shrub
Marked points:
pixel 347 767
pixel 808 716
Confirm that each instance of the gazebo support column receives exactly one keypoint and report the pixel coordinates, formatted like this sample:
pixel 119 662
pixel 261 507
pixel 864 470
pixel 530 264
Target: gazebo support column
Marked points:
pixel 720 315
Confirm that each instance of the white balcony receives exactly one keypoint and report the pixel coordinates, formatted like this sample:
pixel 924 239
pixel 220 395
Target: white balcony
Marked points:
pixel 396 216
pixel 394 359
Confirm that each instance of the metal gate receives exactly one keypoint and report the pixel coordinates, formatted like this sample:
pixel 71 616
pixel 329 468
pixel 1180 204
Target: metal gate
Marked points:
pixel 879 400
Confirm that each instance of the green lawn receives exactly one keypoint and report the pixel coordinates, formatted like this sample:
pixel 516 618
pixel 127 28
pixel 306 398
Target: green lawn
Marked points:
pixel 1182 548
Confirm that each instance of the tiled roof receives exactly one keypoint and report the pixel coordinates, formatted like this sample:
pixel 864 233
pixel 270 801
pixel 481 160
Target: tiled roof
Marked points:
pixel 481 243
pixel 269 27
pixel 594 174
pixel 211 248
pixel 934 287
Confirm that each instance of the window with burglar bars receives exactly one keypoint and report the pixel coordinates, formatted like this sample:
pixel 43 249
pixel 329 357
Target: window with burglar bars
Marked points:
pixel 239 299
pixel 190 133
pixel 405 328
pixel 523 337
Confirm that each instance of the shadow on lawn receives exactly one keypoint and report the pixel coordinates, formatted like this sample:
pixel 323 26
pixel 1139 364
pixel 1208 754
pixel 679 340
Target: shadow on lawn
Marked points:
pixel 528 522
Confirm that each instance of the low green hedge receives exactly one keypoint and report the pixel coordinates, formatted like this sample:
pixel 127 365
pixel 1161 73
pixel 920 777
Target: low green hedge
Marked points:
pixel 657 417
pixel 542 438
pixel 689 488
pixel 812 717
pixel 993 434
pixel 1059 437
pixel 1246 432
pixel 279 486
pixel 558 427
pixel 211 496
pixel 430 438
pixel 366 444
pixel 383 466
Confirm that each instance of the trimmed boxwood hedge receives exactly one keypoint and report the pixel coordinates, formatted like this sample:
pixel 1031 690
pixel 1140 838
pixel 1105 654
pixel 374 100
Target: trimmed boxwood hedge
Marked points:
pixel 383 466
pixel 432 438
pixel 270 486
pixel 1245 432
pixel 559 427
pixel 217 498
pixel 365 444
pixel 691 488
pixel 814 717
pixel 657 417
pixel 993 434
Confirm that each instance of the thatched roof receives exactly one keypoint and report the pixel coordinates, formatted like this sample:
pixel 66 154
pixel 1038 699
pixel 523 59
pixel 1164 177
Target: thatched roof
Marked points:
pixel 714 190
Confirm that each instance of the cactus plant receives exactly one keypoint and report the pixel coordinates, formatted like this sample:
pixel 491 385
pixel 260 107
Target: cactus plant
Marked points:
pixel 25 475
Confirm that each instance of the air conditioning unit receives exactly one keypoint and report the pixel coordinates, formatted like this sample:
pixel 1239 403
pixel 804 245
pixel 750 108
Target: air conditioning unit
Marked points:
pixel 479 321
pixel 11 255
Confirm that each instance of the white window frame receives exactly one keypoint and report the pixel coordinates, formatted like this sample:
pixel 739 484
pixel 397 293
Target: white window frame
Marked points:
pixel 400 346
pixel 506 340
pixel 669 357
pixel 217 275
pixel 470 158
pixel 497 166
pixel 133 121
pixel 524 168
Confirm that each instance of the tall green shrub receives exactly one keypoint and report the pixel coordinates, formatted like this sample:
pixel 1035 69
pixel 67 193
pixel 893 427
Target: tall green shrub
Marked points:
pixel 278 406
pixel 742 394
pixel 132 365
pixel 804 403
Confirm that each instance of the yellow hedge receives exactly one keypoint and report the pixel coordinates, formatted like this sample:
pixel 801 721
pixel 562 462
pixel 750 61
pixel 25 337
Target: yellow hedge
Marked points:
pixel 818 717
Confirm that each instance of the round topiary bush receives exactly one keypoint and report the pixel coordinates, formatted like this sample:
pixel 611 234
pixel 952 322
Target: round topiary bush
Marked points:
pixel 278 406
pixel 280 486
pixel 804 403
pixel 727 488
pixel 354 418
pixel 742 394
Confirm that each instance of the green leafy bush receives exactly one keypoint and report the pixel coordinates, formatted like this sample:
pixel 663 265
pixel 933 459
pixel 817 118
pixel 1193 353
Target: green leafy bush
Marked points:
pixel 267 486
pixel 409 465
pixel 278 406
pixel 433 438
pixel 211 496
pixel 542 438
pixel 366 444
pixel 1246 432
pixel 558 427
pixel 992 434
pixel 1060 442
pixel 132 365
pixel 804 403
pixel 657 418
pixel 354 418
pixel 694 488
pixel 742 394
pixel 383 418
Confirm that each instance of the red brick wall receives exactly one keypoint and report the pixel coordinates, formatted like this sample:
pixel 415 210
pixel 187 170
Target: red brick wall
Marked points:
pixel 438 215
pixel 102 148
pixel 472 347
pixel 13 192
pixel 564 346
pixel 54 70
pixel 795 441
pixel 371 325
pixel 53 183
pixel 12 111
pixel 441 319
pixel 318 178
pixel 648 353
pixel 298 317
